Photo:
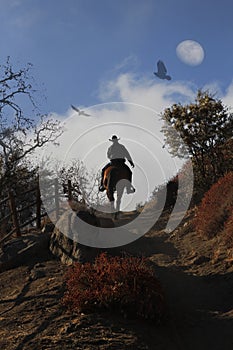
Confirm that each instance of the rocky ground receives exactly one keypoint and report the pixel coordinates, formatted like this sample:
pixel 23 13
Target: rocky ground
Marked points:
pixel 197 277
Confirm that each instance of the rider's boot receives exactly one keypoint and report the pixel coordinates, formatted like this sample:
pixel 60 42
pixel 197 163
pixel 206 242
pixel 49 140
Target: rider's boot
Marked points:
pixel 130 189
pixel 101 187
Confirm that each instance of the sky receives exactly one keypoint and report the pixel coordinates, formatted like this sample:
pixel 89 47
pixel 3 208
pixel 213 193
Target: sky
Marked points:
pixel 100 55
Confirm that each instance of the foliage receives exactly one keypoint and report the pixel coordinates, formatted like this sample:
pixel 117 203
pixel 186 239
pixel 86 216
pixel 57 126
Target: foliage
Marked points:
pixel 84 184
pixel 228 231
pixel 216 207
pixel 124 284
pixel 225 162
pixel 205 127
pixel 166 194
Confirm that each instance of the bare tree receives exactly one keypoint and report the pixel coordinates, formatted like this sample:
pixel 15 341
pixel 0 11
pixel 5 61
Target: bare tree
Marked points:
pixel 84 183
pixel 23 128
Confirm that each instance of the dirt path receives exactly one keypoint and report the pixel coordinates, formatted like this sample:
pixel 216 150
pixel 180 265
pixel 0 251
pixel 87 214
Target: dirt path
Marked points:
pixel 198 288
pixel 198 284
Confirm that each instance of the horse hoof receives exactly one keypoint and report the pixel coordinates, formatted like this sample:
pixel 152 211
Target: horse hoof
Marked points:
pixel 131 190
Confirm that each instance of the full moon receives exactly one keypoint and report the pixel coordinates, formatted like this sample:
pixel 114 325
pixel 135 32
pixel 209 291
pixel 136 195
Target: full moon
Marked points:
pixel 190 52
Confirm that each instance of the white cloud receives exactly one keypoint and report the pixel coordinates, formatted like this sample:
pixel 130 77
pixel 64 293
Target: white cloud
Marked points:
pixel 131 110
pixel 228 98
pixel 128 62
pixel 128 88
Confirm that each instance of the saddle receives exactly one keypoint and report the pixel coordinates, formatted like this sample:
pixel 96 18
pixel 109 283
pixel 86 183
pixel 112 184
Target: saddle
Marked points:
pixel 123 172
pixel 119 162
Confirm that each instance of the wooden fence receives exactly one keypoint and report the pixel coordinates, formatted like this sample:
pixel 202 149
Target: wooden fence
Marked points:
pixel 12 204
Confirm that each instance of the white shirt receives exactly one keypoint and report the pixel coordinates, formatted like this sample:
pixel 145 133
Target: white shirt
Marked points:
pixel 118 151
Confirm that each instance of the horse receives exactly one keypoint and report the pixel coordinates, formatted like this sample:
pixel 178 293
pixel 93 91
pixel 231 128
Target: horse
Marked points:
pixel 116 178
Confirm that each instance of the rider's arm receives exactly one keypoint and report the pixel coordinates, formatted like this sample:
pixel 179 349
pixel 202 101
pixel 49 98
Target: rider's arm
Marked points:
pixel 128 157
pixel 109 153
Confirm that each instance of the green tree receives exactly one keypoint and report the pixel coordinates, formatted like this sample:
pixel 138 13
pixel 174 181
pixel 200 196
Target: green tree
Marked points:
pixel 205 127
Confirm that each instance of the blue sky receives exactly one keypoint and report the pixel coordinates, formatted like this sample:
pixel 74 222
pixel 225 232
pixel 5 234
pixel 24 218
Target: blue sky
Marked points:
pixel 91 52
pixel 75 45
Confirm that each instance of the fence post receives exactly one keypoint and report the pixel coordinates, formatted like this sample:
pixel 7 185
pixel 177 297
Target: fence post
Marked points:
pixel 38 206
pixel 69 190
pixel 56 196
pixel 14 213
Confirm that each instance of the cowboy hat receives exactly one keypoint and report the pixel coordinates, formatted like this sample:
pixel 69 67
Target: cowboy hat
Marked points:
pixel 114 138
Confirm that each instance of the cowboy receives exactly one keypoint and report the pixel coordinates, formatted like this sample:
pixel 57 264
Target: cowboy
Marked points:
pixel 117 153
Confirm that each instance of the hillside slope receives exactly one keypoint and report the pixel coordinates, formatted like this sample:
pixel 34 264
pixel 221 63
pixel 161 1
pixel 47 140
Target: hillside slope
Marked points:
pixel 197 278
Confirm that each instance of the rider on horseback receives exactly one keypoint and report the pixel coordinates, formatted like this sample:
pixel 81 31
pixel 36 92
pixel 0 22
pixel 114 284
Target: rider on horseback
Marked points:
pixel 117 153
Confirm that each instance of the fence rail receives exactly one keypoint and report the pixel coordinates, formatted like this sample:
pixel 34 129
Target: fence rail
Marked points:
pixel 36 205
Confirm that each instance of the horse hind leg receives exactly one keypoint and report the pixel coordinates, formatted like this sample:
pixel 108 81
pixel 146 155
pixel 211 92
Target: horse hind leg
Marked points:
pixel 118 200
pixel 110 195
pixel 120 189
pixel 112 208
pixel 118 205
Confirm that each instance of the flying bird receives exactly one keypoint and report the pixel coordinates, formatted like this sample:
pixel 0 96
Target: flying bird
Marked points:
pixel 80 112
pixel 162 71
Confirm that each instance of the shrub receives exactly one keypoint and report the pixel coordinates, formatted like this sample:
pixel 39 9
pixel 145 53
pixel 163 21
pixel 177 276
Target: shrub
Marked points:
pixel 228 231
pixel 216 207
pixel 123 284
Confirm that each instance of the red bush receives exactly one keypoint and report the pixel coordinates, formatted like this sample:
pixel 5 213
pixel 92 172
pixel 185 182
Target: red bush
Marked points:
pixel 216 207
pixel 228 231
pixel 124 284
